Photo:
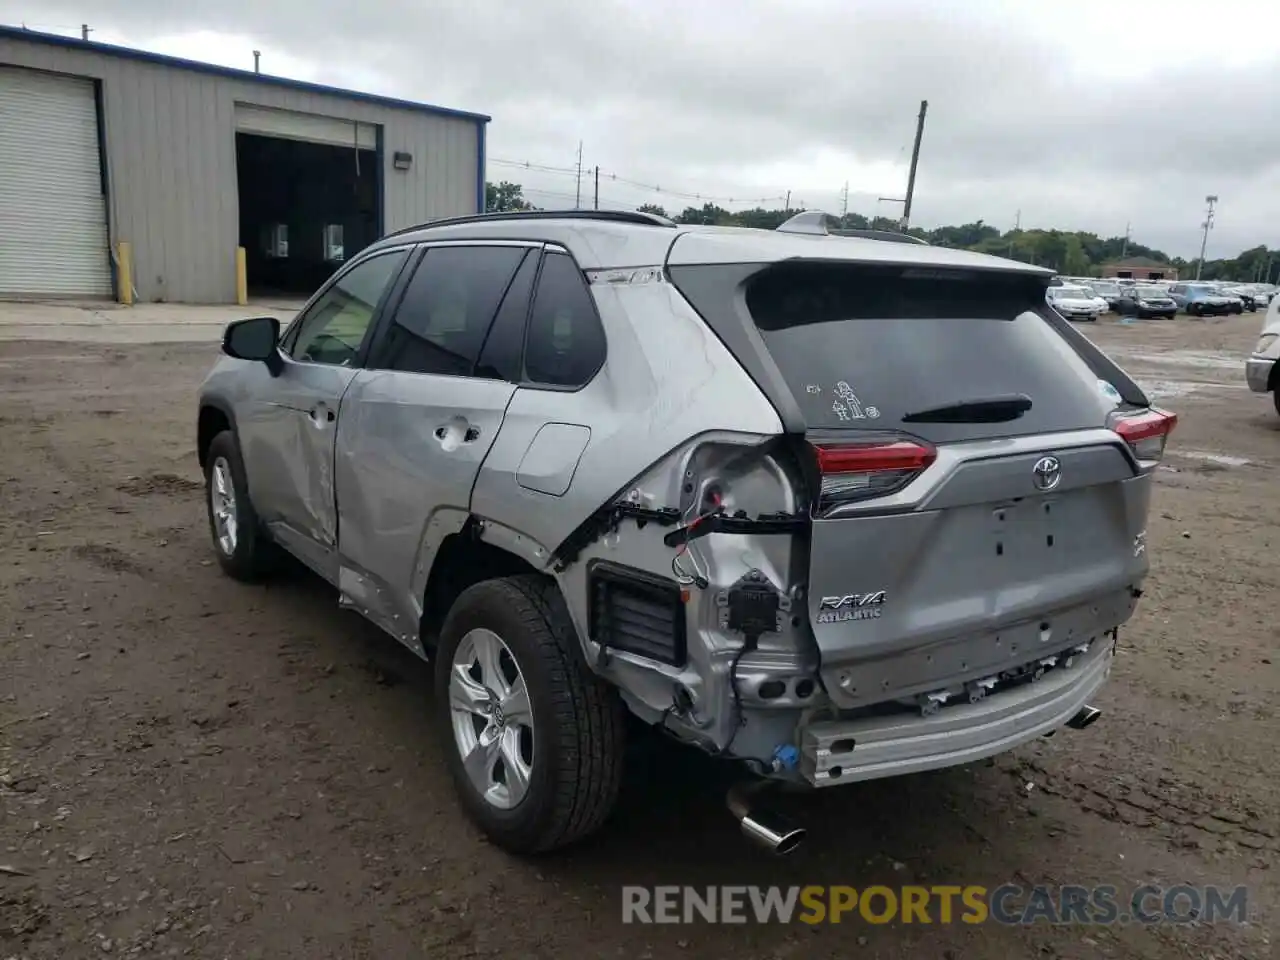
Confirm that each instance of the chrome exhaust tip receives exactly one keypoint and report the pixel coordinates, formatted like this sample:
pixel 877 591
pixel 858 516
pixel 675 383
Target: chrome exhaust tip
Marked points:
pixel 766 829
pixel 1084 718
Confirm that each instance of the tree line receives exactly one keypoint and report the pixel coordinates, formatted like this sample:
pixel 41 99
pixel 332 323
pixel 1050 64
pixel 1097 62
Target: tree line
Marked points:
pixel 1069 252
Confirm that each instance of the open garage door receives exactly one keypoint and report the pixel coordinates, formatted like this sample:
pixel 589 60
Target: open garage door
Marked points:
pixel 308 196
pixel 53 217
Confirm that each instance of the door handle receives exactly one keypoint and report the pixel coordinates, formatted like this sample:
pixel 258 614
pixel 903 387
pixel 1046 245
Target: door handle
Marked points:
pixel 470 435
pixel 322 412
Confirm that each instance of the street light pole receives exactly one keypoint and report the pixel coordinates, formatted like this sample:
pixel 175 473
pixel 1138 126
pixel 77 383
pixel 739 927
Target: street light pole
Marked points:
pixel 1207 226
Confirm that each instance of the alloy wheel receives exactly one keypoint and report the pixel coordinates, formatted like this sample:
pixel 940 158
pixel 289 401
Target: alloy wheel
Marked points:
pixel 492 718
pixel 222 503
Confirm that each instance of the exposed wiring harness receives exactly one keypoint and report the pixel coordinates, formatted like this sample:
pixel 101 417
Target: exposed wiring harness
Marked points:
pixel 698 577
pixel 749 644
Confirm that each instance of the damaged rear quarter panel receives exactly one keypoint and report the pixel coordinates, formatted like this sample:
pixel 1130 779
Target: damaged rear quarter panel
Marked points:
pixel 667 380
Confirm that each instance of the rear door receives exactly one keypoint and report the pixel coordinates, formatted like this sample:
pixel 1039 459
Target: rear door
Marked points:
pixel 970 501
pixel 417 423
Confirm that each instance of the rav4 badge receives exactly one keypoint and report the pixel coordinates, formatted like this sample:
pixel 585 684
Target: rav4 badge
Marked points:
pixel 851 606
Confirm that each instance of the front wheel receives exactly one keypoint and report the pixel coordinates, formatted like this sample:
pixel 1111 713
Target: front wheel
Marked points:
pixel 243 552
pixel 535 740
pixel 1275 398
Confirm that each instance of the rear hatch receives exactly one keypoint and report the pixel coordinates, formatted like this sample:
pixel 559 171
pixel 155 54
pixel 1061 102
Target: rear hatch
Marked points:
pixel 974 503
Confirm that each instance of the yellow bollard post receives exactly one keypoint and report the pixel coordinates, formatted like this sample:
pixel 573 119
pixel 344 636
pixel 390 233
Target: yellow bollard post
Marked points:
pixel 242 278
pixel 124 272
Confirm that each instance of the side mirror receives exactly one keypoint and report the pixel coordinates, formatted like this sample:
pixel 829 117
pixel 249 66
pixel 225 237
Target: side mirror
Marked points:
pixel 252 339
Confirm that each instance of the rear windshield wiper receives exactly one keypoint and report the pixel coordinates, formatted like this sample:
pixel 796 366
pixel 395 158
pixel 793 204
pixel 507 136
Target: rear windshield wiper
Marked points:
pixel 981 410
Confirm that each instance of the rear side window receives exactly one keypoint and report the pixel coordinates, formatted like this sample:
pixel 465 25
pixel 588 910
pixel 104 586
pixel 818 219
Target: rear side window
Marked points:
pixel 565 344
pixel 503 350
pixel 447 307
pixel 864 347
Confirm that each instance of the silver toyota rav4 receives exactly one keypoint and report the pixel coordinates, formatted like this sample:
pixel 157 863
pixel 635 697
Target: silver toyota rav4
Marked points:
pixel 834 507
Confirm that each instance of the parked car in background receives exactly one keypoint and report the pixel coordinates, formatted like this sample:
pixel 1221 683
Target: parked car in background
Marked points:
pixel 1262 369
pixel 1236 303
pixel 1108 290
pixel 1075 303
pixel 1201 300
pixel 1146 301
pixel 1244 294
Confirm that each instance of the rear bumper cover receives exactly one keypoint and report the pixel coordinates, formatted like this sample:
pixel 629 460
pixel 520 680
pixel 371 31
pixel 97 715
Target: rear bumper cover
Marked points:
pixel 838 752
pixel 1257 371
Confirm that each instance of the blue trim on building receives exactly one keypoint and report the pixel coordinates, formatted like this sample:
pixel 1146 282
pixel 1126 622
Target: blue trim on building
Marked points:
pixel 481 146
pixel 180 63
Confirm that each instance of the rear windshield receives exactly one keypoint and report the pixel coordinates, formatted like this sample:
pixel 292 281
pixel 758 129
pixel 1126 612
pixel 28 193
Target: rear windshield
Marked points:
pixel 863 347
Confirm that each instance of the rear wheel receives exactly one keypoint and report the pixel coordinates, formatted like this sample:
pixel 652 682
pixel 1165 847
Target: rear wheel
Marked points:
pixel 1275 398
pixel 535 740
pixel 243 552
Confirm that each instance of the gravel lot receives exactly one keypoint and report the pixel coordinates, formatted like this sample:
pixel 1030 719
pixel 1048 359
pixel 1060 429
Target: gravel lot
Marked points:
pixel 192 767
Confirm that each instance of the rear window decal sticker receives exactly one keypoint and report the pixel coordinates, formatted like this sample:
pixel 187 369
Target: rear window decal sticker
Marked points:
pixel 848 406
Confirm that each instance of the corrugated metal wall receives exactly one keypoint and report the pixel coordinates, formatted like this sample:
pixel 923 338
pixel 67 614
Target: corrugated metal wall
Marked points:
pixel 170 138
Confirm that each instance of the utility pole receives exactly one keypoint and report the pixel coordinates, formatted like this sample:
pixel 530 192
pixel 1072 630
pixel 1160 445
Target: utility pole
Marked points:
pixel 257 54
pixel 1124 248
pixel 788 201
pixel 577 193
pixel 1206 226
pixel 597 186
pixel 85 31
pixel 915 159
pixel 844 202
pixel 1017 225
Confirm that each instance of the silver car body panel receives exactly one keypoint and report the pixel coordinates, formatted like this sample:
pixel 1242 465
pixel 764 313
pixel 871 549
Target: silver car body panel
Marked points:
pixel 980 569
pixel 409 448
pixel 847 751
pixel 1261 364
pixel 286 426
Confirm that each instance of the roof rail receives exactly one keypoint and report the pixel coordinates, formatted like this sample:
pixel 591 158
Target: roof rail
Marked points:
pixel 818 223
pixel 611 216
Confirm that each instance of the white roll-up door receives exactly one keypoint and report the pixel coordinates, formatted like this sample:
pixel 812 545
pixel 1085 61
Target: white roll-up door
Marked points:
pixel 53 219
pixel 308 127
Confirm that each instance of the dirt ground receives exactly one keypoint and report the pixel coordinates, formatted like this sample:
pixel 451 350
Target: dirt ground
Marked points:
pixel 192 767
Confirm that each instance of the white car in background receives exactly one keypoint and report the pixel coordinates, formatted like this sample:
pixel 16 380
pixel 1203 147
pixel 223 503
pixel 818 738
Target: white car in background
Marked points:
pixel 1075 303
pixel 1263 294
pixel 1262 369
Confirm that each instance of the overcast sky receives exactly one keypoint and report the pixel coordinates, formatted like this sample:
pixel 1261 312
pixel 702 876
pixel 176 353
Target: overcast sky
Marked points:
pixel 1083 115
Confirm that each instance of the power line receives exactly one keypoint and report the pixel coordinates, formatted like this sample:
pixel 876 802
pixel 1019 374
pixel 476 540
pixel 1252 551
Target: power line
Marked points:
pixel 637 184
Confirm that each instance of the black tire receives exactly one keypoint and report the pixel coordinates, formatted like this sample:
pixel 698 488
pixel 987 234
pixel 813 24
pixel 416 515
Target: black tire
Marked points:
pixel 253 556
pixel 578 720
pixel 1275 398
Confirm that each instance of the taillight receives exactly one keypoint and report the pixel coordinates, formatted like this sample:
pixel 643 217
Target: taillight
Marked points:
pixel 858 471
pixel 1146 433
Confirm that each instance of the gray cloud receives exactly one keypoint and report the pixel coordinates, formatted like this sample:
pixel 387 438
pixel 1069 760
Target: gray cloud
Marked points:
pixel 1027 112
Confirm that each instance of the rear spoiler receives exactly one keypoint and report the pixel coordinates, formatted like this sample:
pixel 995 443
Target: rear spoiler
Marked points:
pixel 818 223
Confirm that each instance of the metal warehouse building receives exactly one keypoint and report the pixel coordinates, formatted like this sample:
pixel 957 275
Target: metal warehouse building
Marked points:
pixel 138 176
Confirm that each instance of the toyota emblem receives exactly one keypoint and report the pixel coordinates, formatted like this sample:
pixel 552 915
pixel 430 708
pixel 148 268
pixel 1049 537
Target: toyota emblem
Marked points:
pixel 1047 472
